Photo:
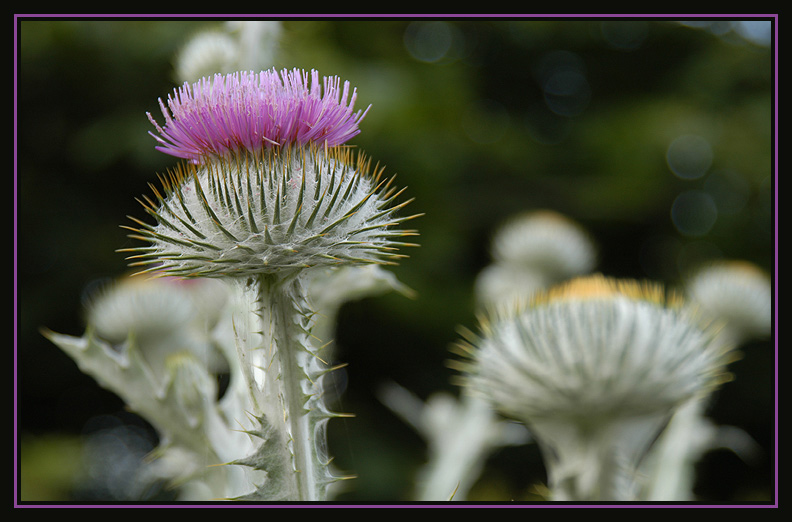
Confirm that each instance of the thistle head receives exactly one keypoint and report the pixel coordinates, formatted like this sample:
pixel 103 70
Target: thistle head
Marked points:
pixel 267 187
pixel 595 368
pixel 544 242
pixel 250 111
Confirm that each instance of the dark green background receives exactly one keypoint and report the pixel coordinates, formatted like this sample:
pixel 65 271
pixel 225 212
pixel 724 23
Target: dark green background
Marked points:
pixel 472 137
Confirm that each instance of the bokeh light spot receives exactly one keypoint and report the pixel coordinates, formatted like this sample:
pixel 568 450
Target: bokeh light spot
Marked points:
pixel 729 189
pixel 689 156
pixel 562 76
pixel 428 41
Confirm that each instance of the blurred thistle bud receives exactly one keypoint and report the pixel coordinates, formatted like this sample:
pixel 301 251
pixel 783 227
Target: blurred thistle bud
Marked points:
pixel 546 242
pixel 594 367
pixel 162 316
pixel 141 308
pixel 258 42
pixel 737 293
pixel 206 53
pixel 532 251
pixel 502 285
pixel 234 45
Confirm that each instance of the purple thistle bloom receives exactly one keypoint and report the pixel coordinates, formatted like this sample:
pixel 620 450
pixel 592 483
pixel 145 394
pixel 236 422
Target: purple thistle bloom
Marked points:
pixel 245 110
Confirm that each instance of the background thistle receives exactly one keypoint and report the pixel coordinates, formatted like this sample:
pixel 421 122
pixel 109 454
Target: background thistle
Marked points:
pixel 594 368
pixel 236 45
pixel 737 295
pixel 530 252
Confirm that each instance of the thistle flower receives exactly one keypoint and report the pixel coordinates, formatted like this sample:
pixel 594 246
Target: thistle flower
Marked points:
pixel 594 368
pixel 266 192
pixel 206 53
pixel 131 306
pixel 267 189
pixel 738 294
pixel 231 46
pixel 163 316
pixel 221 115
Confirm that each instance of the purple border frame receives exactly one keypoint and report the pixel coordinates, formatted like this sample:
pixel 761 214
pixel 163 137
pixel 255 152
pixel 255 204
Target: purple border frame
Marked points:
pixel 774 48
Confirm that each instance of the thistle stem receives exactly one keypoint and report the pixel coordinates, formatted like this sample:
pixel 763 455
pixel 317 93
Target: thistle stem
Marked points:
pixel 595 462
pixel 284 314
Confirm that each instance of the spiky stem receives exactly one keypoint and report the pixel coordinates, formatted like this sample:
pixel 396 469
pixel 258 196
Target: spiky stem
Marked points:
pixel 296 358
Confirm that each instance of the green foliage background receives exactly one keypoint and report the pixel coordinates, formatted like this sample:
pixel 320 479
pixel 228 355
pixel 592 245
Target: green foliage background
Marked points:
pixel 473 138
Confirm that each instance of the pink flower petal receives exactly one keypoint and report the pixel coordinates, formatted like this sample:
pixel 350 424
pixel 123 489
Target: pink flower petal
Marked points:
pixel 245 110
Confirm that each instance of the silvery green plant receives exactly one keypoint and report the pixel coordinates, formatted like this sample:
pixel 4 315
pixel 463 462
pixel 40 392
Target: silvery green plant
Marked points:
pixel 530 251
pixel 266 198
pixel 534 250
pixel 594 367
pixel 460 433
pixel 736 294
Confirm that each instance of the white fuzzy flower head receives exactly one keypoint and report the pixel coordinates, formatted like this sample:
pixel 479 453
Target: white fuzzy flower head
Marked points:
pixel 530 252
pixel 142 308
pixel 735 292
pixel 544 242
pixel 270 211
pixel 594 367
pixel 159 319
pixel 205 54
pixel 232 46
pixel 595 346
pixel 500 284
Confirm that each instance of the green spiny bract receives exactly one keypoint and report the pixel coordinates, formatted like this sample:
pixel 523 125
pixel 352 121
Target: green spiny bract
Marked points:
pixel 269 211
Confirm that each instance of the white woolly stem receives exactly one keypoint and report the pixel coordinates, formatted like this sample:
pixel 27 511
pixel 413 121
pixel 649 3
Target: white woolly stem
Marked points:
pixel 676 452
pixel 292 376
pixel 283 311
